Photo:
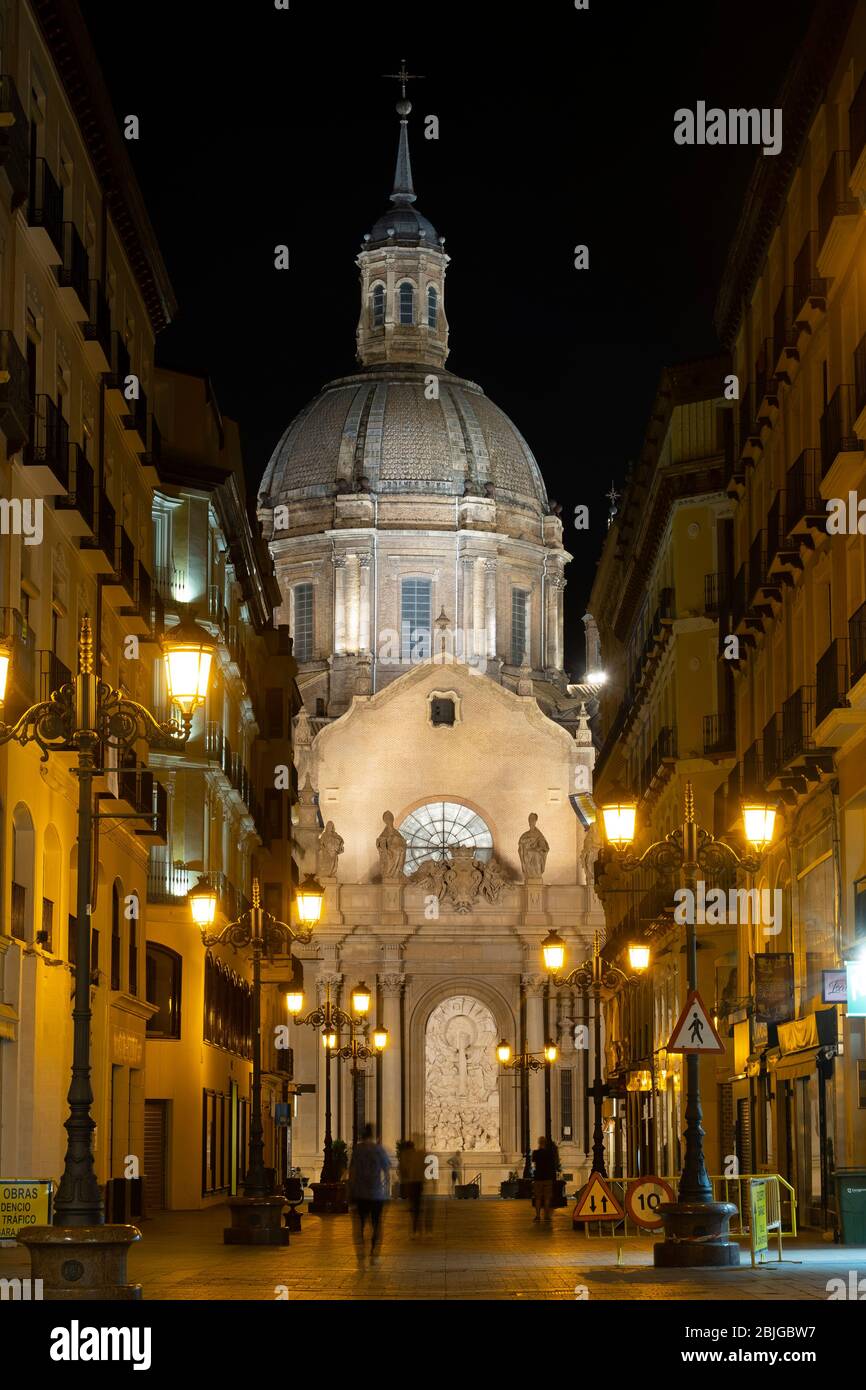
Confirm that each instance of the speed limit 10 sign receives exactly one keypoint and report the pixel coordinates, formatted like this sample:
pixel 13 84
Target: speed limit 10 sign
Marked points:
pixel 642 1201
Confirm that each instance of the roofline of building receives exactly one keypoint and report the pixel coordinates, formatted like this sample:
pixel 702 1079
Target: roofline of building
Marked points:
pixel 799 99
pixel 69 43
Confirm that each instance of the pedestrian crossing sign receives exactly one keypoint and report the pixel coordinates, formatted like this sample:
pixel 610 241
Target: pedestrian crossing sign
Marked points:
pixel 597 1202
pixel 695 1030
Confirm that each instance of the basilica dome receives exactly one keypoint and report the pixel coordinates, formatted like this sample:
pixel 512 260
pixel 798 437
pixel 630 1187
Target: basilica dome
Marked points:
pixel 378 432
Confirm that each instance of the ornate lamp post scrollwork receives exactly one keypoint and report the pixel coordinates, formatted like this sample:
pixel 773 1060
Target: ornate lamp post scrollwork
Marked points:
pixel 696 1226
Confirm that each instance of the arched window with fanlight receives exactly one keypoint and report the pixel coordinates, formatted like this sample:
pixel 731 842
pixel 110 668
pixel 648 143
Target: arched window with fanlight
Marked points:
pixel 407 303
pixel 432 307
pixel 432 830
pixel 378 306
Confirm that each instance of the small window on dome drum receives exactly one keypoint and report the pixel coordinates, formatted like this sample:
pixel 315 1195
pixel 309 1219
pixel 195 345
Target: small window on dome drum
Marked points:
pixel 432 306
pixel 441 711
pixel 378 306
pixel 407 303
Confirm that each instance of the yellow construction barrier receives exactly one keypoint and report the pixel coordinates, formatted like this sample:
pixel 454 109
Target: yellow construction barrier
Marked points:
pixel 767 1208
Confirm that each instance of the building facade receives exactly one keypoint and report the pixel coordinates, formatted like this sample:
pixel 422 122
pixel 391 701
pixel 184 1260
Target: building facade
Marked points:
pixel 421 570
pixel 792 307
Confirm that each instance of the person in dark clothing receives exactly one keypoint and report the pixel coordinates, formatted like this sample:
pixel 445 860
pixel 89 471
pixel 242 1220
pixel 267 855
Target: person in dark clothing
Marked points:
pixel 544 1168
pixel 368 1192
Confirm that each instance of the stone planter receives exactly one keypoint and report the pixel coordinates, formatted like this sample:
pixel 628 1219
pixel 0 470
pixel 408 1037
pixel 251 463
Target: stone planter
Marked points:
pixel 82 1262
pixel 329 1199
pixel 509 1189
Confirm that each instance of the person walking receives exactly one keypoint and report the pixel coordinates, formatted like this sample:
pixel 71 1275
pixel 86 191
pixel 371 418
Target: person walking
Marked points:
pixel 369 1189
pixel 412 1186
pixel 544 1173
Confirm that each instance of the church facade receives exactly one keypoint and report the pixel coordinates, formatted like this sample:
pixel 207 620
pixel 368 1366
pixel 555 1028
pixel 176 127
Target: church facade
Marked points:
pixel 444 763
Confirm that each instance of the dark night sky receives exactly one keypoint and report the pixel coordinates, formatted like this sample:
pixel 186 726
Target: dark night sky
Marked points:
pixel 261 127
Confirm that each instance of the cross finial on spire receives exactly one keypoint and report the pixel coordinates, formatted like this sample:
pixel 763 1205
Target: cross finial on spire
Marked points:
pixel 613 497
pixel 403 77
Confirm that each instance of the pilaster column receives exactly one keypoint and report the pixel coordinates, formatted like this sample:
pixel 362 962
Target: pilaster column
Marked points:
pixel 339 604
pixel 479 618
pixel 533 986
pixel 353 604
pixel 490 569
pixel 392 1061
pixel 559 593
pixel 365 561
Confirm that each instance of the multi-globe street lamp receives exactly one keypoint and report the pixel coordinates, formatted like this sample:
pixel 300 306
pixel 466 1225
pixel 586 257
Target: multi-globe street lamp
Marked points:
pixel 256 1215
pixel 695 1226
pixel 523 1063
pixel 86 717
pixel 330 1019
pixel 593 977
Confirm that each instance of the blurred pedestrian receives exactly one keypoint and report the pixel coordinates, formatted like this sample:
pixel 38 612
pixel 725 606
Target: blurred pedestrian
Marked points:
pixel 369 1189
pixel 544 1164
pixel 412 1177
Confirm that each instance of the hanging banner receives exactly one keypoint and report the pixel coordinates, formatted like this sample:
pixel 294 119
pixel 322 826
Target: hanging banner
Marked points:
pixel 774 987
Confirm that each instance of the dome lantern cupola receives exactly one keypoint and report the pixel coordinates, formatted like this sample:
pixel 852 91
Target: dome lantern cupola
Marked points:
pixel 402 264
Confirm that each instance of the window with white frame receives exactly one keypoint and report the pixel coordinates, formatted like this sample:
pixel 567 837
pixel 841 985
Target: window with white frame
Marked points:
pixel 415 619
pixel 519 625
pixel 302 622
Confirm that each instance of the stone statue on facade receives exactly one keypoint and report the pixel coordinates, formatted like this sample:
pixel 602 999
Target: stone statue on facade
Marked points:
pixel 331 846
pixel 461 879
pixel 392 849
pixel 589 854
pixel 533 850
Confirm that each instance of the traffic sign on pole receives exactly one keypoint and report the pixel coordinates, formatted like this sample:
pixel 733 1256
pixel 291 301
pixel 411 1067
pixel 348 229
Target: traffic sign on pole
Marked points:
pixel 694 1030
pixel 597 1202
pixel 643 1198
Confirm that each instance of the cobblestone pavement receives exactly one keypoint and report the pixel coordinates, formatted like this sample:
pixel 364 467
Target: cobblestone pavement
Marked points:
pixel 488 1249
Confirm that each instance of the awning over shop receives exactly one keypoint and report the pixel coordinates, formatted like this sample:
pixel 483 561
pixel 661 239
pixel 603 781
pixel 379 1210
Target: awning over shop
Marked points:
pixel 790 1065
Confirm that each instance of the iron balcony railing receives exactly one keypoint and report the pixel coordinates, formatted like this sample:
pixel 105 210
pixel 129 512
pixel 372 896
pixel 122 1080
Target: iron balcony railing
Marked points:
pixel 46 203
pixel 136 414
pixel 809 286
pixel 785 334
pixel 747 415
pixel 719 733
pixel 857 643
pixel 798 723
pixel 738 595
pixel 53 674
pixel 157 621
pixel 74 272
pixel 802 488
pixel 834 195
pixel 837 427
pixel 772 748
pixel 216 609
pixel 80 495
pixel 97 328
pixel 15 403
pixel 777 533
pixel 715 593
pixel 169 581
pixel 765 381
pixel 153 454
pixel 14 141
pixel 48 446
pixel 831 685
pixel 105 529
pixel 757 565
pixel 120 365
pixel 751 770
pixel 124 561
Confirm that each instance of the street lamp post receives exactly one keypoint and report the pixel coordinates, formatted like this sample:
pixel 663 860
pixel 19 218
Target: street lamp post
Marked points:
pixel 329 1018
pixel 695 1226
pixel 593 977
pixel 80 1256
pixel 523 1063
pixel 255 1215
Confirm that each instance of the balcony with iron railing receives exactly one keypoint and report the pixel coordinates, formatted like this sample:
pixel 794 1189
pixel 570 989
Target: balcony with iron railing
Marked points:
pixel 135 420
pixel 739 596
pixel 45 210
pixel 758 567
pixel 73 274
pixel 119 369
pixel 80 497
pixel 720 738
pixel 857 644
pixel 46 454
pixel 766 386
pixel 15 403
pixel 747 416
pixel 216 609
pixel 14 141
pixel 837 428
pixel 752 769
pixel 771 741
pixel 831 687
pixel 105 533
pixel 798 723
pixel 802 489
pixel 96 329
pixel 834 196
pixel 53 673
pixel 715 594
pixel 810 288
pixel 786 335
